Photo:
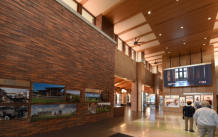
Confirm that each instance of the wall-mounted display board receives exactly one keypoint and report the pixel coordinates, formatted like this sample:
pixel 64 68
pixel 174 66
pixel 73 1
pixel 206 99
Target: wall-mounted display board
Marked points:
pixel 192 75
pixel 95 107
pixel 13 112
pixel 172 101
pixel 47 93
pixel 197 98
pixel 51 111
pixel 73 95
pixel 93 95
pixel 208 98
pixel 182 101
pixel 14 95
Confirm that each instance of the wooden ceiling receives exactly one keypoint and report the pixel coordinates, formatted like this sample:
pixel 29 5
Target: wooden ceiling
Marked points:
pixel 161 30
pixel 122 83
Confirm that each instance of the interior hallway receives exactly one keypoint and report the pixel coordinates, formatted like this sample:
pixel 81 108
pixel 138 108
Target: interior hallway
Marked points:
pixel 147 124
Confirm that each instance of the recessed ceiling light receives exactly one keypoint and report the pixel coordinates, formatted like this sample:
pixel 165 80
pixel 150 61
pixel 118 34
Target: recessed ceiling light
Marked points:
pixel 205 37
pixel 149 12
pixel 160 34
pixel 177 0
pixel 184 43
pixel 209 18
pixel 203 44
pixel 181 27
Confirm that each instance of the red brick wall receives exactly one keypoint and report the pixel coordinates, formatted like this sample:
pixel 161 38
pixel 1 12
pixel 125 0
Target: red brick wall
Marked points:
pixel 42 41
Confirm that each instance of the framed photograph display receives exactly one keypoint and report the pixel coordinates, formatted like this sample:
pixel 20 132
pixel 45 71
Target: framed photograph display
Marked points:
pixel 95 107
pixel 172 101
pixel 197 98
pixel 208 98
pixel 13 112
pixel 14 95
pixel 182 101
pixel 51 111
pixel 47 93
pixel 93 95
pixel 72 95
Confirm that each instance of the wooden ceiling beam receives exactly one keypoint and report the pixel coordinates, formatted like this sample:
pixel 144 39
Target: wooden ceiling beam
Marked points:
pixel 144 34
pixel 120 83
pixel 132 28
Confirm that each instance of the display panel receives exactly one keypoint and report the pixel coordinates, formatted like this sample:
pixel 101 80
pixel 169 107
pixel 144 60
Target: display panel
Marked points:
pixel 193 75
pixel 47 93
pixel 208 98
pixel 14 95
pixel 93 95
pixel 13 112
pixel 73 96
pixel 172 101
pixel 182 101
pixel 94 107
pixel 51 111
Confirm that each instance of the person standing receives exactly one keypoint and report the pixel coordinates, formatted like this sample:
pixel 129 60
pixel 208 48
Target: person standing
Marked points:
pixel 206 120
pixel 188 112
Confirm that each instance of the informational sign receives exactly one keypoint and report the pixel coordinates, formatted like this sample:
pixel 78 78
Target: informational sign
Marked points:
pixel 192 75
pixel 172 101
pixel 182 101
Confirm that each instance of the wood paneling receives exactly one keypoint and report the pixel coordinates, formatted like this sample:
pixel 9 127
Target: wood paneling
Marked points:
pixel 167 17
pixel 44 43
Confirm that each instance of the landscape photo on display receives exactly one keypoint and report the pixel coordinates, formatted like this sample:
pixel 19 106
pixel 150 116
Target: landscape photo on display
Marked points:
pixel 47 93
pixel 14 95
pixel 51 111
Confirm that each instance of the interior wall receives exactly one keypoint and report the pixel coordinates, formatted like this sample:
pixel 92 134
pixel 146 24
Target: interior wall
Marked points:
pixel 207 56
pixel 125 67
pixel 49 44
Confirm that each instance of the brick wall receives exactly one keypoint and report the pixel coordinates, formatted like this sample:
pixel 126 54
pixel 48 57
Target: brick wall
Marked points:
pixel 42 41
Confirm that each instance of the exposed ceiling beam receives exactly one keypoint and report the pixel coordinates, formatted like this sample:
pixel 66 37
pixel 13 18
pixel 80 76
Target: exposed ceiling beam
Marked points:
pixel 154 54
pixel 125 31
pixel 83 2
pixel 120 83
pixel 153 59
pixel 144 34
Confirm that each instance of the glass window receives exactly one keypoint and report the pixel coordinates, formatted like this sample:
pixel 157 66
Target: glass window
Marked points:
pixel 133 54
pixel 180 74
pixel 120 44
pixel 71 3
pixel 176 75
pixel 185 74
pixel 138 54
pixel 127 50
pixel 88 16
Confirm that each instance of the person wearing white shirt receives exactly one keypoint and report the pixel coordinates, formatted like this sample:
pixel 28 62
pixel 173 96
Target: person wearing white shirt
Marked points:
pixel 206 120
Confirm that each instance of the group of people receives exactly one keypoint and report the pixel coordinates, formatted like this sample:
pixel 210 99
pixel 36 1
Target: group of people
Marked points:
pixel 205 118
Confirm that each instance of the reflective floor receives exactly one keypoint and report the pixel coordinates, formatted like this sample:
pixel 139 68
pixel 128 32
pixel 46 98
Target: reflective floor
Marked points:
pixel 150 123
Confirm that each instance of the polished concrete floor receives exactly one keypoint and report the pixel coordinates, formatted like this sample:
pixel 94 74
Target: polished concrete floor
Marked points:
pixel 151 123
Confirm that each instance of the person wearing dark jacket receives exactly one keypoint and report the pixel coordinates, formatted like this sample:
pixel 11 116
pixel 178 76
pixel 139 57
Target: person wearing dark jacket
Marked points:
pixel 188 112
